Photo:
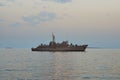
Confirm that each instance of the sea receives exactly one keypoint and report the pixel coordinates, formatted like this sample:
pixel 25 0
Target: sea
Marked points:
pixel 93 64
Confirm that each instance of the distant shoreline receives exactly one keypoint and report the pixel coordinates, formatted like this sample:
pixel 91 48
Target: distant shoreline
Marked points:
pixel 101 48
pixel 87 48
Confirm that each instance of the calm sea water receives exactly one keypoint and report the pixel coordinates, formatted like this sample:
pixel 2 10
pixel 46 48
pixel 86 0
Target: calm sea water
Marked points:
pixel 94 64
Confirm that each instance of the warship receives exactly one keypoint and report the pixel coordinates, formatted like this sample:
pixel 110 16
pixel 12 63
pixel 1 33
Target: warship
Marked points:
pixel 63 46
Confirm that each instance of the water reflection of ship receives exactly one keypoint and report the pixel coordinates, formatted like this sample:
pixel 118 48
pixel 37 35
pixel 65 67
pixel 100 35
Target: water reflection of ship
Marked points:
pixel 57 67
pixel 62 67
pixel 64 46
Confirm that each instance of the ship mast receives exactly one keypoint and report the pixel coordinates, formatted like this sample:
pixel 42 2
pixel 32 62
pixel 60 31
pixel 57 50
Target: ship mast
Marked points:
pixel 53 37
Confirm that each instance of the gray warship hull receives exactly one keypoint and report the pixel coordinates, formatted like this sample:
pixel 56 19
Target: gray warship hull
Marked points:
pixel 69 48
pixel 55 46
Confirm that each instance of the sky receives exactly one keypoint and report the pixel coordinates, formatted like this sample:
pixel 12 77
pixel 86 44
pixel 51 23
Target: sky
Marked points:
pixel 27 23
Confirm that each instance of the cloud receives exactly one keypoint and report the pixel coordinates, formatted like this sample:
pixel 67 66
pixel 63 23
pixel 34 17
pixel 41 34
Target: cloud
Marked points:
pixel 59 1
pixel 2 4
pixel 16 24
pixel 11 0
pixel 6 2
pixel 1 20
pixel 41 17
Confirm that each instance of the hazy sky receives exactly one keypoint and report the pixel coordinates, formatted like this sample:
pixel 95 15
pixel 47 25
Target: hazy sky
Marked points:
pixel 27 23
